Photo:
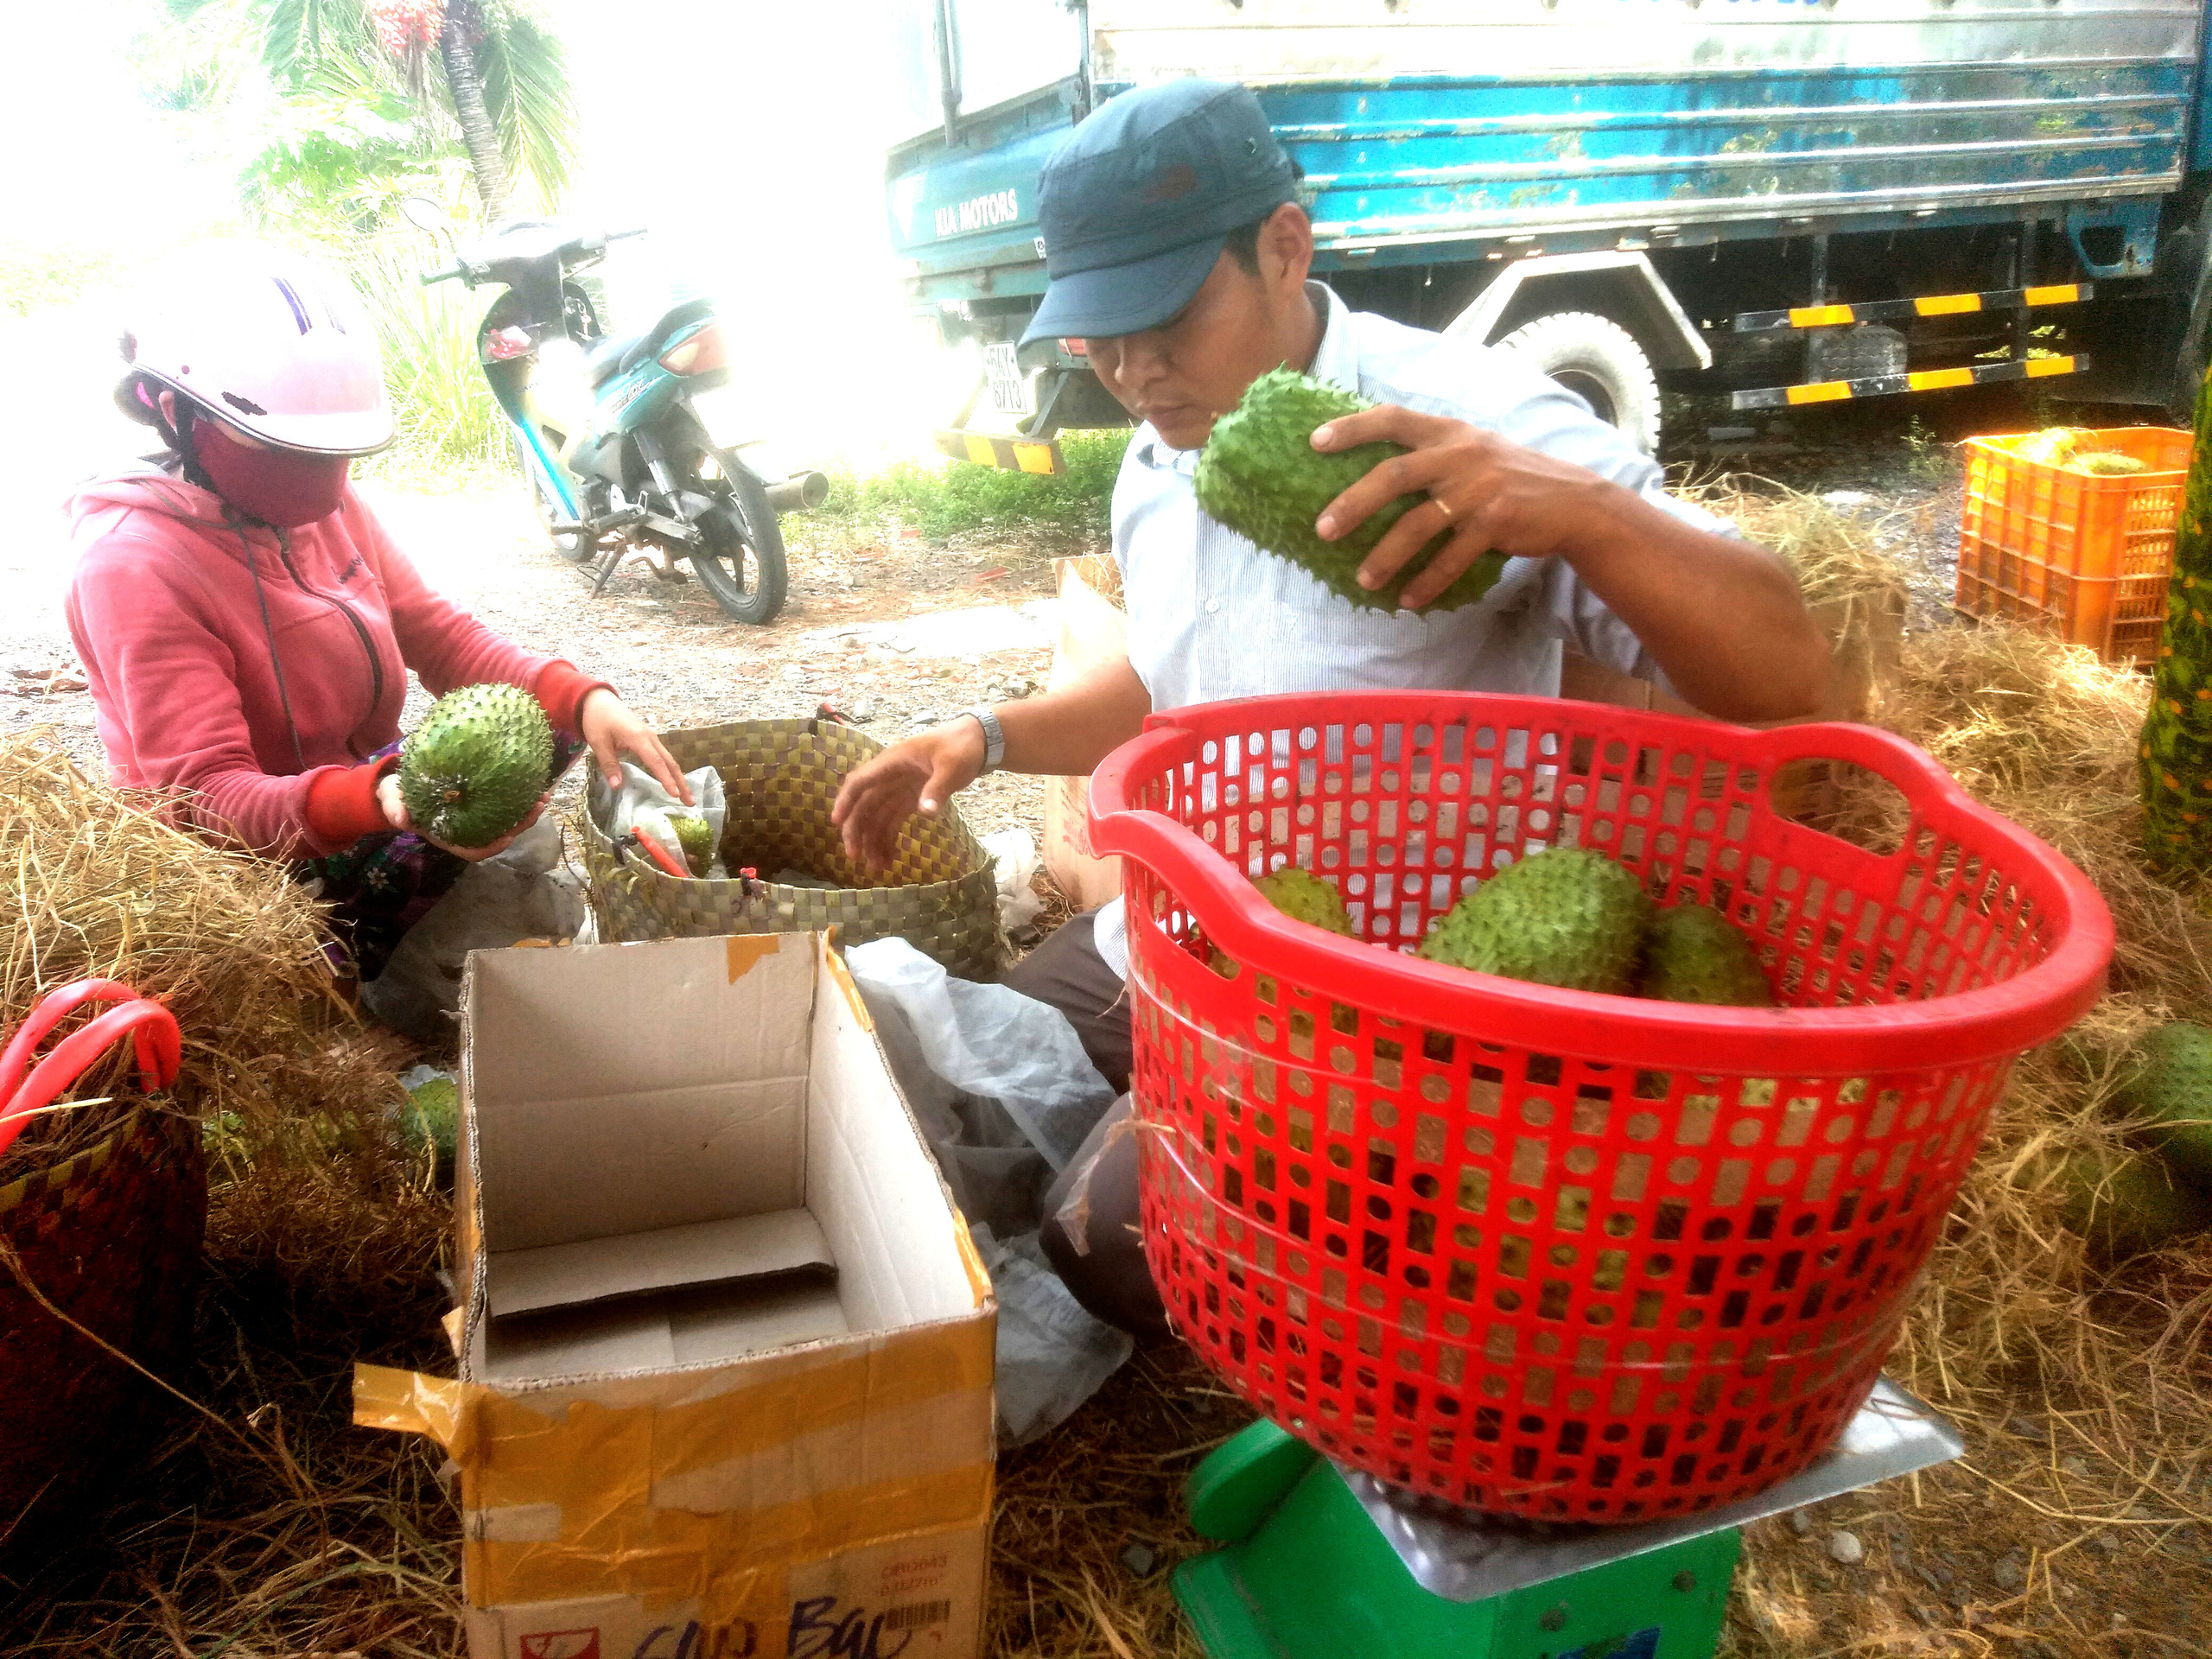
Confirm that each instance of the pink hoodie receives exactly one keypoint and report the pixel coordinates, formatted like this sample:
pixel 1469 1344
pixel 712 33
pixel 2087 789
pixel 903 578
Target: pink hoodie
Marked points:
pixel 162 606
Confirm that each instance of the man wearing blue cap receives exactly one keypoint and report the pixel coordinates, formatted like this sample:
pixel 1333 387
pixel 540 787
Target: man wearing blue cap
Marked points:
pixel 1177 251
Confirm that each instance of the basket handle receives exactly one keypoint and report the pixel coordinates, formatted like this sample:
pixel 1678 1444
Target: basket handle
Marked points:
pixel 154 1035
pixel 1897 763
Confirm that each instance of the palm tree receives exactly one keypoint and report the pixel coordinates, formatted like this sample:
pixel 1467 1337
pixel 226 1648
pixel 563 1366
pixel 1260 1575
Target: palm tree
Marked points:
pixel 503 72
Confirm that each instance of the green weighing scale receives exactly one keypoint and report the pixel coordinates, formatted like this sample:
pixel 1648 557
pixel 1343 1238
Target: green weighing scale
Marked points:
pixel 1323 1562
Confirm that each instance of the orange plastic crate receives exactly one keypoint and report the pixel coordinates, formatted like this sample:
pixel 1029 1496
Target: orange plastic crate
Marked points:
pixel 2084 557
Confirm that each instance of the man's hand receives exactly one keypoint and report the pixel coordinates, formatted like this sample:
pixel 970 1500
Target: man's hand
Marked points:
pixel 1491 495
pixel 396 815
pixel 1722 617
pixel 919 775
pixel 612 732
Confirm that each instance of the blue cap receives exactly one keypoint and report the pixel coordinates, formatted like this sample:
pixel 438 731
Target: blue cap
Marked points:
pixel 1137 203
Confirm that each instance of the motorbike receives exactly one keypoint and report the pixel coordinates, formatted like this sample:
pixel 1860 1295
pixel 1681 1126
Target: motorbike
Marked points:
pixel 631 467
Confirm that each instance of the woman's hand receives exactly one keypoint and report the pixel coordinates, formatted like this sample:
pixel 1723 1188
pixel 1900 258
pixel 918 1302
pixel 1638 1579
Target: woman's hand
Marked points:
pixel 395 813
pixel 606 722
pixel 1491 495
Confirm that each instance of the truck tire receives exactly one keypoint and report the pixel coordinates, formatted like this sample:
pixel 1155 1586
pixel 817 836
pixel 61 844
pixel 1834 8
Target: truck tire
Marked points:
pixel 1599 361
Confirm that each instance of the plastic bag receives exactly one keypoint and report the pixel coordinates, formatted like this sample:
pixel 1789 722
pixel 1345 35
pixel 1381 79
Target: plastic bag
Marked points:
pixel 642 803
pixel 1004 1096
pixel 1052 1355
pixel 525 892
pixel 1014 853
pixel 994 1042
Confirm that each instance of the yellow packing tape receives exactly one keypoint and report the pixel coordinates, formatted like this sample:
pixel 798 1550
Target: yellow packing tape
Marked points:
pixel 413 1404
pixel 597 1464
pixel 666 1555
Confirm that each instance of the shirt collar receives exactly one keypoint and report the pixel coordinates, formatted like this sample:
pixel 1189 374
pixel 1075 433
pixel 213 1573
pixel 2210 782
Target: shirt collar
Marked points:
pixel 1336 360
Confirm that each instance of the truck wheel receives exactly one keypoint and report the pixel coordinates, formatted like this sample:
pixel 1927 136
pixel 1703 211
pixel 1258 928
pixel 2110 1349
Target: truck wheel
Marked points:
pixel 1599 361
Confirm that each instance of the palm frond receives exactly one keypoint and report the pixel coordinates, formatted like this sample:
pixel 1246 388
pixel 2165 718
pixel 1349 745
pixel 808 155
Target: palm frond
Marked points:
pixel 298 37
pixel 526 71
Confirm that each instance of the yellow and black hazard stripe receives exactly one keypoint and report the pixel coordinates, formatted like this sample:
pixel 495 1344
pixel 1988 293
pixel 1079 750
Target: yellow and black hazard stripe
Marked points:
pixel 1928 305
pixel 1888 385
pixel 995 449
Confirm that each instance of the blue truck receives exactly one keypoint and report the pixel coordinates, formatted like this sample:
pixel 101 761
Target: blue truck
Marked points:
pixel 1786 201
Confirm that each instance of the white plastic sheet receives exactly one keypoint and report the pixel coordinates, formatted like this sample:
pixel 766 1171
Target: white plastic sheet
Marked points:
pixel 1006 1096
pixel 1014 854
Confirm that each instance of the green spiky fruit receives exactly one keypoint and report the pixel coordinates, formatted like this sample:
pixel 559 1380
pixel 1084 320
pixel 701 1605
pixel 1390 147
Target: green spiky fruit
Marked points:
pixel 2174 758
pixel 477 764
pixel 2124 1204
pixel 697 840
pixel 1572 918
pixel 1691 954
pixel 1302 896
pixel 1305 896
pixel 2169 1089
pixel 1261 476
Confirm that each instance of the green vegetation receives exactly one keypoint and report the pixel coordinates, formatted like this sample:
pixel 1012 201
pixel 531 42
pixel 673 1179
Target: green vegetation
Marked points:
pixel 2176 754
pixel 31 279
pixel 959 497
pixel 350 98
pixel 446 417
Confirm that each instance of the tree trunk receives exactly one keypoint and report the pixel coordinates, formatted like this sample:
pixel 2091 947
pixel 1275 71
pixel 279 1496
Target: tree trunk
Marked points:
pixel 457 45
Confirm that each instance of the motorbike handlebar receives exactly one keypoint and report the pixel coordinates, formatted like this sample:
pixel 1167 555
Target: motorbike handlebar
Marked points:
pixel 623 236
pixel 445 275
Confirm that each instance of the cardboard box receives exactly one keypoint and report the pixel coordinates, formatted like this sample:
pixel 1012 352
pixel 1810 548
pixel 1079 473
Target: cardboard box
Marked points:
pixel 726 1348
pixel 1093 630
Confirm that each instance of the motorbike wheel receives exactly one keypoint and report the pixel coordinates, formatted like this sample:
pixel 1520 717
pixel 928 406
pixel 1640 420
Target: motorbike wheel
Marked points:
pixel 571 545
pixel 742 564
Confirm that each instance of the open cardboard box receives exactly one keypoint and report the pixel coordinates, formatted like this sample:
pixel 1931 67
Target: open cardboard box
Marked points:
pixel 725 1349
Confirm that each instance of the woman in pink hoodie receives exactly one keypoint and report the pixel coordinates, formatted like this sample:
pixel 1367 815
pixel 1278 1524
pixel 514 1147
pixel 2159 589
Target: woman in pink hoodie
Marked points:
pixel 247 626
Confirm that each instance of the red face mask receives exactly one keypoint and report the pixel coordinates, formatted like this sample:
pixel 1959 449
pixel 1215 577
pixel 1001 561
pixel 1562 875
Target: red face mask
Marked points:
pixel 278 486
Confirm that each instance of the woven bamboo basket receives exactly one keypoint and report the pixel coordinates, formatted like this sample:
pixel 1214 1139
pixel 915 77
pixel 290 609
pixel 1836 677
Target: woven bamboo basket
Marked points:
pixel 781 777
pixel 109 1238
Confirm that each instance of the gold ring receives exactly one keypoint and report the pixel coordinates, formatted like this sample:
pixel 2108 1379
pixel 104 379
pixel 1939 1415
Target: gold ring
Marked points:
pixel 1442 508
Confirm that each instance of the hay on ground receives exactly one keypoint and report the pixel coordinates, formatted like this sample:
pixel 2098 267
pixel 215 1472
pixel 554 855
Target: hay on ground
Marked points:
pixel 101 884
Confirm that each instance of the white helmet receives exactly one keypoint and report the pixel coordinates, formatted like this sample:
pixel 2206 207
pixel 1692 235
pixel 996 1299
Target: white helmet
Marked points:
pixel 263 339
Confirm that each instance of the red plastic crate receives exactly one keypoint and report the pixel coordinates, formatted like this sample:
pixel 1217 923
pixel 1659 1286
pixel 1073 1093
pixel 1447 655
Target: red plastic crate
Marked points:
pixel 2083 557
pixel 1579 1257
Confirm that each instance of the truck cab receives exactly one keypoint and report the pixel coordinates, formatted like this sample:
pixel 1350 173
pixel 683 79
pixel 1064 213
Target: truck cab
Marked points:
pixel 1784 202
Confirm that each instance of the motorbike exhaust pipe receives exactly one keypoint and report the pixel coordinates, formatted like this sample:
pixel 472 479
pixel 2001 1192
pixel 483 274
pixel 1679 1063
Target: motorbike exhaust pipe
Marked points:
pixel 800 493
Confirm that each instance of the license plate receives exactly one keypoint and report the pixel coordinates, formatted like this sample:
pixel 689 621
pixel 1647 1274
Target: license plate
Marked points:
pixel 1009 387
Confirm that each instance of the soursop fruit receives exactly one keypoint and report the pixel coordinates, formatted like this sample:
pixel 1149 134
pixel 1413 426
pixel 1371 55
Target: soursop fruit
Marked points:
pixel 477 764
pixel 2121 1204
pixel 697 837
pixel 1305 896
pixel 1691 954
pixel 1302 896
pixel 2169 1089
pixel 1571 918
pixel 1261 476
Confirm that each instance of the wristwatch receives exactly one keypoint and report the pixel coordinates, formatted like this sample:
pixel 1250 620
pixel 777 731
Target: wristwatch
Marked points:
pixel 994 735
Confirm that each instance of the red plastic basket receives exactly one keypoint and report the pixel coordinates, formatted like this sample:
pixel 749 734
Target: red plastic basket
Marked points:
pixel 1574 1256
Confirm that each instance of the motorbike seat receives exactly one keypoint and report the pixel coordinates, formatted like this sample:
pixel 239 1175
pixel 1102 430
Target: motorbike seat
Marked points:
pixel 604 361
pixel 618 353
